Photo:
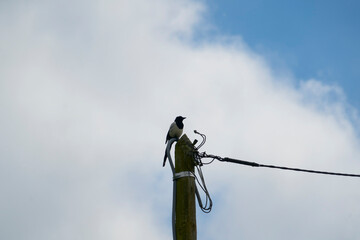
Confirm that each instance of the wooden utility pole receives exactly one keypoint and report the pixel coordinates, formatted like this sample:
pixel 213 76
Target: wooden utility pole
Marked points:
pixel 185 224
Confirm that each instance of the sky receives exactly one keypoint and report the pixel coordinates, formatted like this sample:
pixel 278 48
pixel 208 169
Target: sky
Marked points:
pixel 89 89
pixel 312 38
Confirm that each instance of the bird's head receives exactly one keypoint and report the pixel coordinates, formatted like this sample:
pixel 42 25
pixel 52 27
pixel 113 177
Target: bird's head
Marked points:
pixel 179 119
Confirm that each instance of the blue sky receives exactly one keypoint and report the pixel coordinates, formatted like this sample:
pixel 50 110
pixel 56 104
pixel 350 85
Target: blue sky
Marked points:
pixel 314 39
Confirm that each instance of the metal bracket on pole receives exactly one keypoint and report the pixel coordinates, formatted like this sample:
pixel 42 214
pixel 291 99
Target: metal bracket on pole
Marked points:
pixel 183 174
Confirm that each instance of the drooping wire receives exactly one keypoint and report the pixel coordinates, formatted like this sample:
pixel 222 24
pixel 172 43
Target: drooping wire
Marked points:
pixel 208 201
pixel 200 178
pixel 207 163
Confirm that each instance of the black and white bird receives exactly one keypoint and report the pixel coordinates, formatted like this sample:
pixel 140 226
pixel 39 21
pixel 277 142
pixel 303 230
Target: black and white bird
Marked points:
pixel 175 131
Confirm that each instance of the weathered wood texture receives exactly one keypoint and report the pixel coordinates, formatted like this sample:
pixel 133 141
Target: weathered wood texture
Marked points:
pixel 185 192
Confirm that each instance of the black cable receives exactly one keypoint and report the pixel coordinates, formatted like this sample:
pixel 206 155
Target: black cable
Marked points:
pixel 198 156
pixel 254 164
pixel 201 181
pixel 208 201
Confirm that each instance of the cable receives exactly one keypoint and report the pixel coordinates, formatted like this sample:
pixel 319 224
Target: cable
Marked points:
pixel 208 201
pixel 199 156
pixel 254 164
pixel 201 182
pixel 311 171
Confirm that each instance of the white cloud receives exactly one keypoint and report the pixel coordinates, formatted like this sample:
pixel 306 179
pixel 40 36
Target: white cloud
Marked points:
pixel 88 91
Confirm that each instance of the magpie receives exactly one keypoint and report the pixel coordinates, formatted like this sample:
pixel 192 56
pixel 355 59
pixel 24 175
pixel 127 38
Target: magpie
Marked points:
pixel 175 131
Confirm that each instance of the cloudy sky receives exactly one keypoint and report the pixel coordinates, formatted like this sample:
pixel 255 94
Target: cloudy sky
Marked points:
pixel 88 90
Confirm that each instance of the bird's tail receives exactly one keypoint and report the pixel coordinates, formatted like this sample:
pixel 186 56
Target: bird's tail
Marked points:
pixel 165 156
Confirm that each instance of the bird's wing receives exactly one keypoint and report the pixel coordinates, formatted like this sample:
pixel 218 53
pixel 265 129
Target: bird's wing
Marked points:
pixel 169 133
pixel 175 131
pixel 167 137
